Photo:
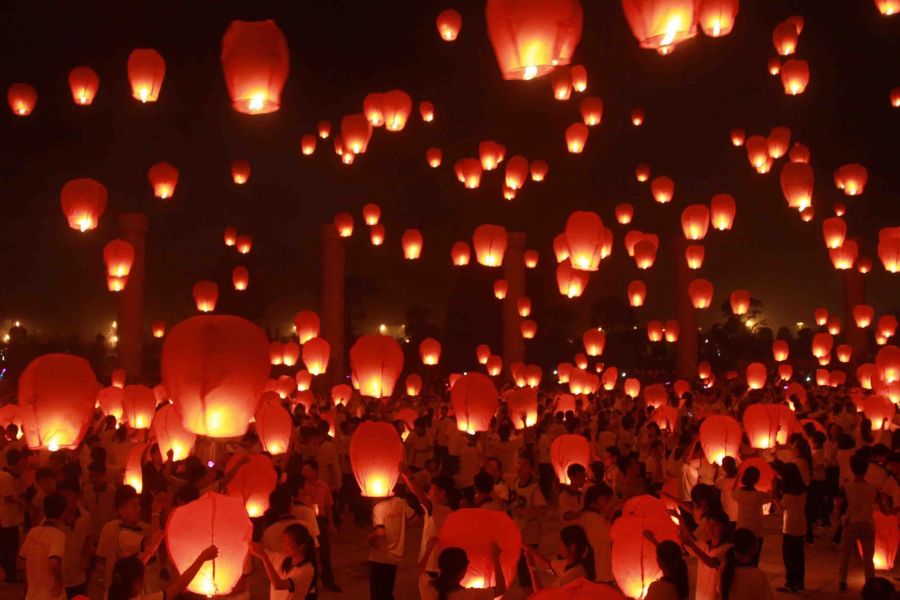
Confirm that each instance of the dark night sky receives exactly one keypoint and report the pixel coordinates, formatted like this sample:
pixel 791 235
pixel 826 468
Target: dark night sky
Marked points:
pixel 341 50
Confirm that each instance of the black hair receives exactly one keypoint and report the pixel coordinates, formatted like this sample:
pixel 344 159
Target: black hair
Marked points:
pixel 54 505
pixel 185 495
pixel 668 556
pixel 452 565
pixel 859 463
pixel 750 477
pixel 124 494
pixel 729 465
pixel 279 502
pixel 125 573
pixel 484 483
pixel 45 473
pixel 312 464
pixel 443 482
pixel 68 485
pixel 13 456
pixel 574 535
pixel 595 492
pixel 575 469
pixel 791 479
pixel 300 535
pixel 527 457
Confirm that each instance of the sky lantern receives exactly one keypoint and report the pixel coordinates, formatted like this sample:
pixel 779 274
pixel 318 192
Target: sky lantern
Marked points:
pixel 564 372
pixel 655 330
pixel 206 294
pixel 864 264
pixel 756 375
pixel 163 178
pixel 716 17
pixel 303 378
pixel 851 178
pixel 83 202
pixel 820 315
pixel 375 456
pixel 695 221
pixel 532 38
pixel 609 378
pixel 533 376
pixel 774 65
pixel 491 154
pixel 240 171
pixel 591 108
pixel 448 22
pixel 516 172
pixel 642 172
pixel 632 387
pixel 240 278
pixel 624 213
pixel 523 306
pixel 22 98
pixel 306 322
pixel 343 223
pixel 594 340
pixel 701 293
pixel 117 378
pixel 276 353
pixel 521 405
pixel 324 129
pixel 83 83
pixel 822 343
pixel 671 330
pixel 501 288
pixel 460 254
pixel 115 283
pixel 396 106
pixel 57 394
pixel 785 372
pixel 663 189
pixel 109 400
pixel 722 209
pixel 887 532
pixel 528 328
pixel 634 564
pixel 539 169
pixel 308 144
pixel 576 137
pixel 863 314
pixel 738 137
pixel 255 62
pixel 433 157
pixel 583 235
pixel 879 410
pixel 778 141
pixel 376 234
pixel 273 426
pixel 476 531
pixel 887 325
pixel 757 150
pixel 530 258
pixel 119 258
pixel 834 230
pixel 569 449
pixel 213 519
pixel 341 394
pixel 158 328
pixel 784 38
pixel 430 351
pixel 412 241
pixel 720 436
pixel 844 352
pixel 797 184
pixel 561 82
pixel 494 365
pixel 844 256
pixel 482 353
pixel 468 172
pixel 371 214
pixel 372 108
pixel 138 405
pixel 740 302
pixel 475 401
pixel 489 242
pixel 133 472
pixel 767 425
pixel 215 368
pixel 376 362
pixel 571 282
pixel 230 236
pixel 866 374
pixel 833 325
pixel 889 248
pixel 244 243
pixel 799 153
pixel 413 385
pixel 887 361
pixel 661 25
pixel 637 293
pixel 644 254
pixel 253 482
pixel 794 76
pixel 316 352
pixel 356 131
pixel 655 395
pixel 780 350
pixel 170 434
pixel 579 78
pixel 290 353
pixel 146 71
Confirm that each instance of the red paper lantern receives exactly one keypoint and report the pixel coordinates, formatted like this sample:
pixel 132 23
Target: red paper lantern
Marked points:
pixel 476 531
pixel 375 456
pixel 720 436
pixel 240 171
pixel 146 71
pixel 376 362
pixel 306 322
pixel 163 178
pixel 170 434
pixel 83 82
pixel 430 351
pixel 138 406
pixel 566 450
pixel 83 202
pixel 255 63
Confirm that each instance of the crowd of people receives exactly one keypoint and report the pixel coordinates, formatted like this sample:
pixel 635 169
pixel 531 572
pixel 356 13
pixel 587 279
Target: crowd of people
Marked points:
pixel 71 527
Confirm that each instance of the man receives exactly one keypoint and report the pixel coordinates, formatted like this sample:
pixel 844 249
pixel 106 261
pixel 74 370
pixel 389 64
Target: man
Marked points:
pixel 527 505
pixel 484 493
pixel 571 499
pixel 594 520
pixel 45 484
pixel 436 508
pixel 419 445
pixel 99 498
pixel 43 551
pixel 386 544
pixel 11 515
pixel 859 520
pixel 125 536
pixel 318 494
pixel 76 524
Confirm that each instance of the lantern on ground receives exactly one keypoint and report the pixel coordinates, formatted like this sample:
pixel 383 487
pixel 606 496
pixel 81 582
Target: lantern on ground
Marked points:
pixel 146 71
pixel 887 532
pixel 375 456
pixel 133 471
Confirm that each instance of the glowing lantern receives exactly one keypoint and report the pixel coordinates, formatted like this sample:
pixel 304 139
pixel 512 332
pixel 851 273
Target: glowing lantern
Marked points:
pixel 634 564
pixel 324 129
pixel 821 344
pixel 644 254
pixel 240 171
pixel 109 400
pixel 215 368
pixel 255 63
pixel 701 293
pixel 240 278
pixel 460 254
pixel 116 284
pixel 489 242
pixel 206 294
pixel 528 328
pixel 594 340
pixel 521 404
pixel 133 473
pixel 158 328
pixel 834 230
pixel 695 221
pixel 273 426
pixel 756 376
pixel 579 78
pixel 57 393
pixel 372 108
pixel 576 137
pixel 591 109
pixel 396 106
pixel 83 202
pixel 774 65
pixel 757 150
pixel 533 376
pixel 356 131
pixel 799 153
pixel 780 350
pixel 308 144
pixel 624 213
pixel 778 141
pixel 583 234
pixel 476 531
pixel 694 256
pixel 490 154
pixel 738 136
pixel 532 38
pixel 642 172
pixel 767 425
pixel 716 17
pixel 671 330
pixel 740 302
pixel 821 316
pixel 662 188
pixel 720 436
pixel 561 82
pixel 170 434
pixel 539 169
pixel 784 38
pixel 306 322
pixel 482 352
pixel 655 330
pixel 22 99
pixel 494 365
pixel 146 71
pixel 430 351
pixel 117 378
pixel 230 236
pixel 889 248
pixel 531 259
pixel 655 395
pixel 887 532
pixel 797 184
pixel 895 97
pixel 83 82
pixel 434 156
pixel 844 352
pixel 448 22
pixel 794 76
pixel 851 178
pixel 523 306
pixel 879 410
pixel 341 394
pixel 637 293
pixel 887 361
pixel 412 244
pixel 376 362
pixel 566 450
pixel 785 372
pixel 887 325
pixel 863 315
pixel 138 404
pixel 660 25
pixel 119 258
pixel 163 178
pixel 375 456
pixel 253 482
pixel 571 282
pixel 316 352
pixel 844 256
pixel 474 400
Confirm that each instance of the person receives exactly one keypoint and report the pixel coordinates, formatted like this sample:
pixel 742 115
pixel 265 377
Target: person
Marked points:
pixel 44 550
pixel 673 585
pixel 741 578
pixel 594 520
pixel 527 505
pixel 750 503
pixel 878 588
pixel 792 501
pixel 77 527
pixel 571 499
pixel 712 554
pixel 859 524
pixel 436 508
pixel 125 536
pixel 99 497
pixel 11 514
pixel 484 492
pixel 577 559
pixel 318 494
pixel 295 577
pixel 386 545
pixel 452 565
pixel 726 485
pixel 127 581
pixel 279 517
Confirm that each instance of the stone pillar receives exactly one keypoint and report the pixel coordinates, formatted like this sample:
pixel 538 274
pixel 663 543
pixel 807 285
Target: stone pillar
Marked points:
pixel 685 313
pixel 331 299
pixel 130 319
pixel 514 273
pixel 854 284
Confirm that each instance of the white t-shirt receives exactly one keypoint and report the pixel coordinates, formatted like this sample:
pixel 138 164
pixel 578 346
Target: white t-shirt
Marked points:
pixel 76 563
pixel 41 544
pixel 750 509
pixel 300 577
pixel 390 514
pixel 118 540
pixel 10 513
pixel 729 505
pixel 430 529
pixel 708 577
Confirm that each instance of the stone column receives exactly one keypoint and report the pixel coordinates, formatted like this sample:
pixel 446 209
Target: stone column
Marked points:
pixel 685 313
pixel 130 319
pixel 514 273
pixel 331 299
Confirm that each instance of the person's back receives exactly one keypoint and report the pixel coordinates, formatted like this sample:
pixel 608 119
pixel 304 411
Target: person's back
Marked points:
pixel 390 514
pixel 750 583
pixel 44 551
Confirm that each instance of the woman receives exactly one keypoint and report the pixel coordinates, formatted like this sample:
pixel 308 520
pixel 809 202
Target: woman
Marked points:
pixel 577 559
pixel 296 576
pixel 712 555
pixel 673 585
pixel 452 566
pixel 128 578
pixel 792 501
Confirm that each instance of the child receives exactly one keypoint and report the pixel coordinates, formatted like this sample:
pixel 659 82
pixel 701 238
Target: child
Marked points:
pixel 750 503
pixel 296 576
pixel 742 579
pixel 128 578
pixel 594 520
pixel 452 565
pixel 712 554
pixel 577 559
pixel 673 585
